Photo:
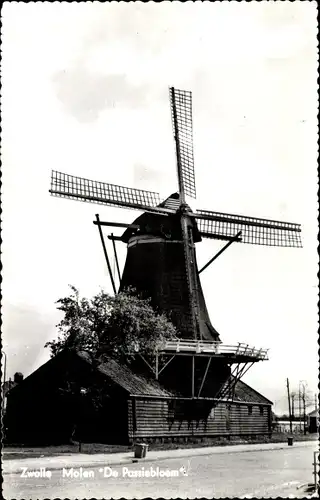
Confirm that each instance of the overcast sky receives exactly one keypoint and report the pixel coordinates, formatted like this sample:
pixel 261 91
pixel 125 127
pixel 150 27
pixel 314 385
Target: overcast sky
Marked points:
pixel 85 91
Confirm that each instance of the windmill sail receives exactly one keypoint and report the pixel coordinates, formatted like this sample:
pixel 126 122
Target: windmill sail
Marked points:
pixel 253 230
pixel 181 113
pixel 70 186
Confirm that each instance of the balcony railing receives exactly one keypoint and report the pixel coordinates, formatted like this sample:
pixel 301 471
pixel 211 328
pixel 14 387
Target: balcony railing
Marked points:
pixel 208 347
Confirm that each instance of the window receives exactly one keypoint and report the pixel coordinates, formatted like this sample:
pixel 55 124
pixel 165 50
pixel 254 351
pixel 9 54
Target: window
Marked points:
pixel 250 410
pixel 261 410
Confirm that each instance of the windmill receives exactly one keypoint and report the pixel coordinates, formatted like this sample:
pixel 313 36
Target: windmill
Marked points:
pixel 161 257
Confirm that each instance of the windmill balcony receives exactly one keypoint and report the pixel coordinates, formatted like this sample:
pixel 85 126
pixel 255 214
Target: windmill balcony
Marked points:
pixel 206 347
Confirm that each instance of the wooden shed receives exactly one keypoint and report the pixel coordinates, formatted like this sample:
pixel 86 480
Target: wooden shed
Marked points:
pixel 313 421
pixel 159 418
pixel 72 396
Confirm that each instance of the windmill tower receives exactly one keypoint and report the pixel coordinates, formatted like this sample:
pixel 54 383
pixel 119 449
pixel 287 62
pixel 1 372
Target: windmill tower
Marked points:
pixel 161 257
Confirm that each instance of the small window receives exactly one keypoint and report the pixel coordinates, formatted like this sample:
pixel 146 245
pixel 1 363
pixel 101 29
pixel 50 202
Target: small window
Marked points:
pixel 250 410
pixel 261 410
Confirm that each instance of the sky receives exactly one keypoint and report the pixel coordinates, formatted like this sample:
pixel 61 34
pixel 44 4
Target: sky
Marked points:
pixel 85 91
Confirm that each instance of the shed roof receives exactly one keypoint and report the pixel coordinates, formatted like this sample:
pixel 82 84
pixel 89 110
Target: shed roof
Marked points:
pixel 243 392
pixel 131 382
pixel 313 413
pixel 121 375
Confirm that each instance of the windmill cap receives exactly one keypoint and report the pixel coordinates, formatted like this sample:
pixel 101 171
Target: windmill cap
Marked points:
pixel 173 202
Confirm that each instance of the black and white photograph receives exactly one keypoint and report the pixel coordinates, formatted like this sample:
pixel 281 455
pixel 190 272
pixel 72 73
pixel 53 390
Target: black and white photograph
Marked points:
pixel 159 250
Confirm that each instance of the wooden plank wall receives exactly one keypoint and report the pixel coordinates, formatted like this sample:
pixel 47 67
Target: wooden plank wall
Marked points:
pixel 155 419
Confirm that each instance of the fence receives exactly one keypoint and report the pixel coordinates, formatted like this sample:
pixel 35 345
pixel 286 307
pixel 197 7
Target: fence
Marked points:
pixel 205 346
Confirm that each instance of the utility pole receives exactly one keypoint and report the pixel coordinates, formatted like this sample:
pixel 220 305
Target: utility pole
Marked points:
pixel 289 404
pixel 299 408
pixel 292 404
pixel 304 408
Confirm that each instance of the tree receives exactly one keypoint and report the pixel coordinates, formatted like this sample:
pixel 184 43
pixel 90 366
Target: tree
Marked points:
pixel 118 326
pixel 304 400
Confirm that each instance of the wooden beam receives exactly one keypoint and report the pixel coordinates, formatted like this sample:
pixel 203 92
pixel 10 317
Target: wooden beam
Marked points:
pixel 116 257
pixel 235 238
pixel 157 366
pixel 117 224
pixel 166 364
pixel 192 386
pixel 204 377
pixel 146 362
pixel 106 254
pixel 214 236
pixel 115 238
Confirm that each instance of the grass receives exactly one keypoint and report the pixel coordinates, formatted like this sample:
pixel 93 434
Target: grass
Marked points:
pixel 9 452
pixel 14 452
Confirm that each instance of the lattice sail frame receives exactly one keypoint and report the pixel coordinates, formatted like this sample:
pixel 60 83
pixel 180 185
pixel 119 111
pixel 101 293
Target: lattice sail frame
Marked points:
pixel 253 230
pixel 69 186
pixel 181 109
